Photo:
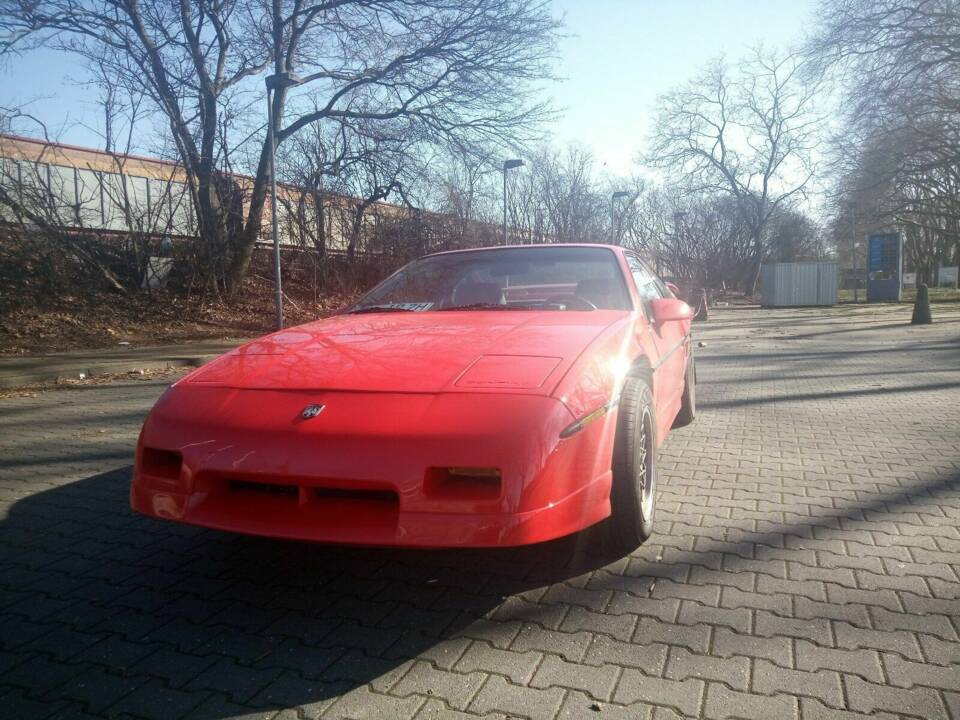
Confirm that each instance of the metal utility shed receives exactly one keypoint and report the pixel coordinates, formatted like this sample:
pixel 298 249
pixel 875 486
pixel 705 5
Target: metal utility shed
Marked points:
pixel 798 284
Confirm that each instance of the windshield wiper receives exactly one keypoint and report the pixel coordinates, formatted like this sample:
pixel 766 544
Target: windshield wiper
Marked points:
pixel 488 306
pixel 378 309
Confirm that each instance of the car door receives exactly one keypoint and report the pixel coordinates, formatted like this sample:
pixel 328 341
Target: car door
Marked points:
pixel 671 340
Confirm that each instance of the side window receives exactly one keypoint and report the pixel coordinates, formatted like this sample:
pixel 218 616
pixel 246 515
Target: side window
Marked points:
pixel 648 285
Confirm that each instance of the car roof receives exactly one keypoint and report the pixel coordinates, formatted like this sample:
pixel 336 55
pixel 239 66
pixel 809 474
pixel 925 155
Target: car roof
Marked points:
pixel 614 248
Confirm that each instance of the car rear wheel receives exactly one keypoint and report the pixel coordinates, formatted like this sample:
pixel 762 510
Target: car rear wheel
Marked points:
pixel 688 404
pixel 633 494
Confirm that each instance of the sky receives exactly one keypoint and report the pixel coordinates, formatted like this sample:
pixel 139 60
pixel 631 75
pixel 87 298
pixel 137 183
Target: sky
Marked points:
pixel 622 54
pixel 618 56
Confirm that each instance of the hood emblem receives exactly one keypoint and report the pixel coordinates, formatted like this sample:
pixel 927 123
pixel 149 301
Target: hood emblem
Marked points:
pixel 311 411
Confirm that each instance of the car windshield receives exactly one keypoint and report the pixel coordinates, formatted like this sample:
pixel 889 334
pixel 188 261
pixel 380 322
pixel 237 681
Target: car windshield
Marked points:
pixel 536 278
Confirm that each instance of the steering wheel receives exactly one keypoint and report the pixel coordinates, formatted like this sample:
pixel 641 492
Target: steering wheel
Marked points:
pixel 575 302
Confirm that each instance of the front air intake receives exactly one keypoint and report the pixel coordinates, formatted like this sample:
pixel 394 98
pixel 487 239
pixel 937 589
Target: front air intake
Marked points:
pixel 463 483
pixel 160 464
pixel 274 489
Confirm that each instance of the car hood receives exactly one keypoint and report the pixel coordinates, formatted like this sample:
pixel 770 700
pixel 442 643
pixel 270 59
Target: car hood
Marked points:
pixel 471 351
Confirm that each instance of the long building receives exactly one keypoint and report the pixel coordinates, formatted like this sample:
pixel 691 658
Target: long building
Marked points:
pixel 84 189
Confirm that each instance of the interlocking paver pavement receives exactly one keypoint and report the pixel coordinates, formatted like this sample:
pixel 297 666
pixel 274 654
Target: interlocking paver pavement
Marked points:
pixel 805 565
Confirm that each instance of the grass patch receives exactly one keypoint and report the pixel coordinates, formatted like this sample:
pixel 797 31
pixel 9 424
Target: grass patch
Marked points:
pixel 909 295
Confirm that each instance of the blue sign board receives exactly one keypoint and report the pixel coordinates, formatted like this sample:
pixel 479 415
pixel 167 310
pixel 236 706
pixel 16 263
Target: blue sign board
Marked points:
pixel 884 266
pixel 883 254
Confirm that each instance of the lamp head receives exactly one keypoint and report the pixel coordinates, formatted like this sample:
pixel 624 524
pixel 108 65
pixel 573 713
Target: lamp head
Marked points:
pixel 282 80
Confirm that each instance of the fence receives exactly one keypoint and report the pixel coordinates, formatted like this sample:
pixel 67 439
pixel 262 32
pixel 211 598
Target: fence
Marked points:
pixel 798 284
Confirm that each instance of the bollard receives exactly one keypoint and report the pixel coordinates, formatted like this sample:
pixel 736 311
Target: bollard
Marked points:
pixel 921 307
pixel 702 313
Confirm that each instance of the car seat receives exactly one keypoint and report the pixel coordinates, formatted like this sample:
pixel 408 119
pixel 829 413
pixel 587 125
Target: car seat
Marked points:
pixel 478 293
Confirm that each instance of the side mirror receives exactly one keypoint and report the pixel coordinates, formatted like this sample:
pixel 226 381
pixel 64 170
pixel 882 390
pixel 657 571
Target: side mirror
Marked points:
pixel 673 288
pixel 670 310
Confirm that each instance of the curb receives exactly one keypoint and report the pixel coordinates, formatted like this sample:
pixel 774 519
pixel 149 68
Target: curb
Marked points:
pixel 16 372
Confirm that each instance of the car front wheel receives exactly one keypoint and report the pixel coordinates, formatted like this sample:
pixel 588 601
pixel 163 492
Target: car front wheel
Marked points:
pixel 633 494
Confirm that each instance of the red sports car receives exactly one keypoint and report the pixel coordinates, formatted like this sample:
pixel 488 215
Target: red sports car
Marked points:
pixel 490 397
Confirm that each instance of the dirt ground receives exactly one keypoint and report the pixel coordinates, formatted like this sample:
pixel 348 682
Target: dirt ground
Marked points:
pixel 82 312
pixel 162 317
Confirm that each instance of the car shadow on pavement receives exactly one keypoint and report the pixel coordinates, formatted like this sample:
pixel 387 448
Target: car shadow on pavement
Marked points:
pixel 116 614
pixel 825 395
pixel 112 614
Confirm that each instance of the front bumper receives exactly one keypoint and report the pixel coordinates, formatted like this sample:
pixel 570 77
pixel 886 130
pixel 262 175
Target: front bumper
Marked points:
pixel 244 461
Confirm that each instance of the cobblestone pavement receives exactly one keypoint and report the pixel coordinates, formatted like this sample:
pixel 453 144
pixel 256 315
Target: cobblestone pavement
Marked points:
pixel 805 564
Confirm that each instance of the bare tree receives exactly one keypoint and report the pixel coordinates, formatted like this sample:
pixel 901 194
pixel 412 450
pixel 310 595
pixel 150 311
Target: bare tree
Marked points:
pixel 121 106
pixel 890 54
pixel 897 67
pixel 62 224
pixel 746 132
pixel 901 181
pixel 558 198
pixel 453 69
pixel 700 240
pixel 467 189
pixel 574 207
pixel 794 237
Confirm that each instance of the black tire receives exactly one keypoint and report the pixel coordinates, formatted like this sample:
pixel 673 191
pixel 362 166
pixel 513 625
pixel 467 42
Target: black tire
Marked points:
pixel 633 495
pixel 688 404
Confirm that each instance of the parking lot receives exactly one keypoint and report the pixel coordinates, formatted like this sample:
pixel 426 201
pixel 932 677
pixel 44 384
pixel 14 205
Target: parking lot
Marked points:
pixel 806 564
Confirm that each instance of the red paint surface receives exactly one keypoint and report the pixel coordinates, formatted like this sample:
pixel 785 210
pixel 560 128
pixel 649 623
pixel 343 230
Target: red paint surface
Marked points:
pixel 404 393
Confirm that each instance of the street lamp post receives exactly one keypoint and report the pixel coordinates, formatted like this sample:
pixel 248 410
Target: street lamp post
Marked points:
pixel 274 83
pixel 507 165
pixel 614 225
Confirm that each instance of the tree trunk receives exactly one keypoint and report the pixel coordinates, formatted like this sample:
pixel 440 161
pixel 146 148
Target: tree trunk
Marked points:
pixel 356 227
pixel 757 263
pixel 320 213
pixel 213 232
pixel 244 245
